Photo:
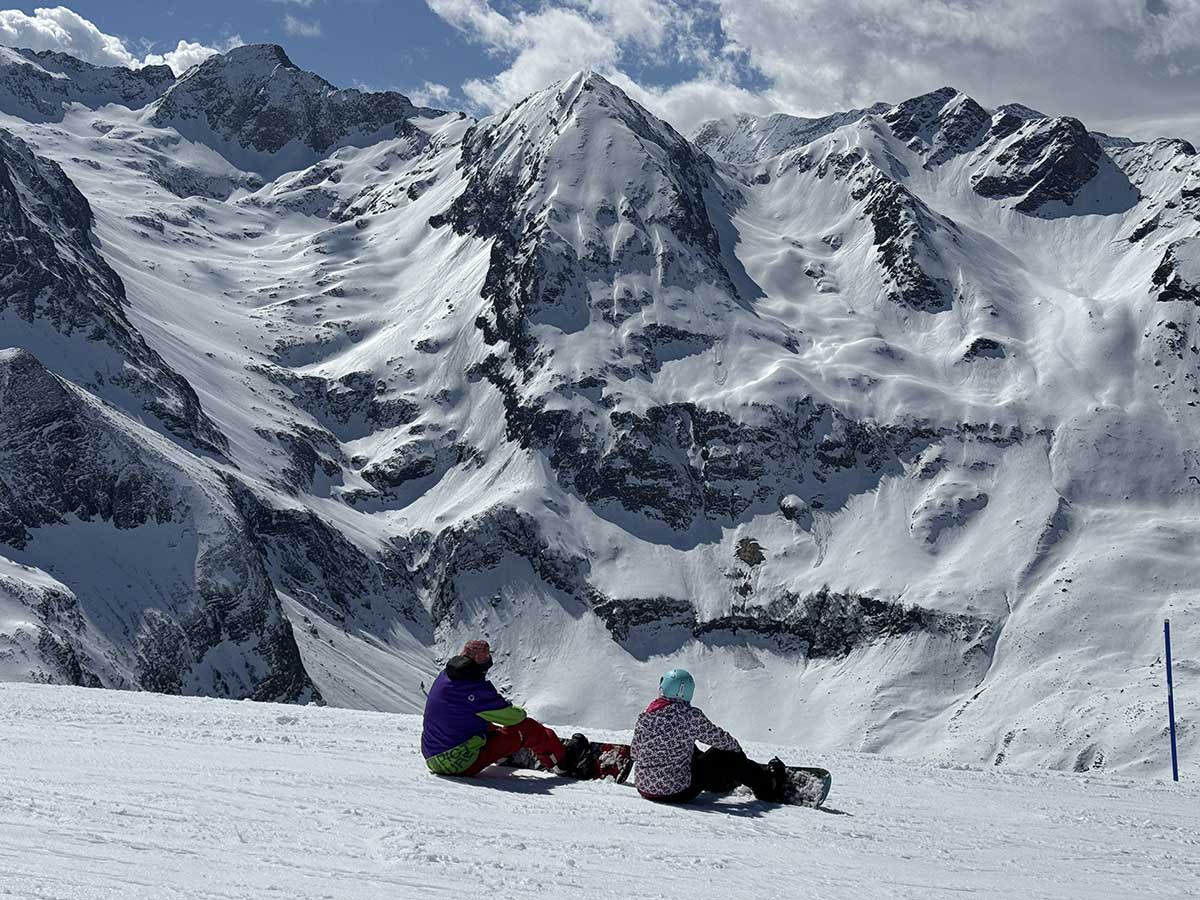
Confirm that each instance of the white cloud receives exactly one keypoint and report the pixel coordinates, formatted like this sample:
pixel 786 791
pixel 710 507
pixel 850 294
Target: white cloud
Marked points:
pixel 542 46
pixel 62 29
pixel 301 27
pixel 1121 65
pixel 477 19
pixel 430 94
pixel 548 45
pixel 688 103
pixel 187 54
pixel 641 21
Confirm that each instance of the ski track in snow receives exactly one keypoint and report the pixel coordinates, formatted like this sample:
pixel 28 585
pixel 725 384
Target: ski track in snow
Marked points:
pixel 122 795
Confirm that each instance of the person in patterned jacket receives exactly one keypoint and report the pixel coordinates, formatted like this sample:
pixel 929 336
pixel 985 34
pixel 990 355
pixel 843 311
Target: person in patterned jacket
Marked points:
pixel 671 769
pixel 468 725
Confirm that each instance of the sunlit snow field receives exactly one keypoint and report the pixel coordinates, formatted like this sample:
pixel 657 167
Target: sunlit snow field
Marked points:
pixel 110 795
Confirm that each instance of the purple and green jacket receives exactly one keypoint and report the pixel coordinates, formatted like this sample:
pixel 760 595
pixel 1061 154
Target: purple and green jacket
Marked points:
pixel 461 705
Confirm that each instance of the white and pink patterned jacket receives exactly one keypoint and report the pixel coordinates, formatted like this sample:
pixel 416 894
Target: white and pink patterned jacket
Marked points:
pixel 663 741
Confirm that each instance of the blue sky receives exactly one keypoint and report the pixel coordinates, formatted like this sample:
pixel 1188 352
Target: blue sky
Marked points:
pixel 1128 67
pixel 405 44
pixel 382 43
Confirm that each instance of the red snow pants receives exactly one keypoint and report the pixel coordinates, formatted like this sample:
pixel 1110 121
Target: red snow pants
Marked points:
pixel 502 742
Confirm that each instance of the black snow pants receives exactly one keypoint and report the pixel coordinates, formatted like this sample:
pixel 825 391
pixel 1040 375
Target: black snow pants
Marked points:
pixel 720 771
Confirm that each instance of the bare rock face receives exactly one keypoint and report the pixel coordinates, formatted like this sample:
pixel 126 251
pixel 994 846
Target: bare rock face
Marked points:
pixel 944 123
pixel 1177 276
pixel 901 225
pixel 68 470
pixel 1046 160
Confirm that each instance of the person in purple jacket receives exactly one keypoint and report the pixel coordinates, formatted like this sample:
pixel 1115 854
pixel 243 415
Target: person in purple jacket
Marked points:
pixel 671 769
pixel 468 725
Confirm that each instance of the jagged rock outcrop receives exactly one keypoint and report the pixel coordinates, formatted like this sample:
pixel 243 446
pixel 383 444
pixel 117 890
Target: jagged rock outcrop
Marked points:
pixel 821 625
pixel 1043 161
pixel 943 124
pixel 1177 276
pixel 903 226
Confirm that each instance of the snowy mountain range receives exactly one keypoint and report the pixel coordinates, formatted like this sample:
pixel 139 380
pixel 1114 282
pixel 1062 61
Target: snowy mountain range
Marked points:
pixel 882 423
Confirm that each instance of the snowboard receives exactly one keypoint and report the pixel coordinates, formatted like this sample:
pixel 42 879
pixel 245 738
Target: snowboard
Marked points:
pixel 602 761
pixel 807 786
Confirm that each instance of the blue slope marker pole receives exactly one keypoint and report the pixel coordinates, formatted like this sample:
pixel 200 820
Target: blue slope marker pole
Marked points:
pixel 1171 702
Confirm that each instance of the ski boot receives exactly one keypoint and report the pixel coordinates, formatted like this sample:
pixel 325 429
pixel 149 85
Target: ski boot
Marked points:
pixel 776 786
pixel 577 761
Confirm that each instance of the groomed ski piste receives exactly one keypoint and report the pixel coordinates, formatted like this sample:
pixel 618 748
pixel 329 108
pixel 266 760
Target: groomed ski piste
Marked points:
pixel 110 795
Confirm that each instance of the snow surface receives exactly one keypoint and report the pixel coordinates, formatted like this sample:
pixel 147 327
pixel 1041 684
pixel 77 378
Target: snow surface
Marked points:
pixel 112 795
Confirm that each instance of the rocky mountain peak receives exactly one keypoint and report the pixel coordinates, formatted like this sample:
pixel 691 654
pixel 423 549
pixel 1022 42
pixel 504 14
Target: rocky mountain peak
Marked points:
pixel 1043 161
pixel 1021 111
pixel 637 167
pixel 36 86
pixel 923 107
pixel 257 55
pixel 580 180
pixel 943 123
pixel 251 65
pixel 590 80
pixel 267 115
pixel 584 100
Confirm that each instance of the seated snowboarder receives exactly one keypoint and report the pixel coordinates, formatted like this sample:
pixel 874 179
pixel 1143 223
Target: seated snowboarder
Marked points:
pixel 671 769
pixel 468 725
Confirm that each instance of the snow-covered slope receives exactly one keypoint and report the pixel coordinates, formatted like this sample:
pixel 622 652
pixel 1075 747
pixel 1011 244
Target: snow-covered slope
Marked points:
pixel 62 301
pixel 167 797
pixel 885 421
pixel 746 138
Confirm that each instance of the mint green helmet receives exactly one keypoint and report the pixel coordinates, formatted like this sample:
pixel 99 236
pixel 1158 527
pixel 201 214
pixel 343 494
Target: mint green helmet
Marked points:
pixel 678 684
